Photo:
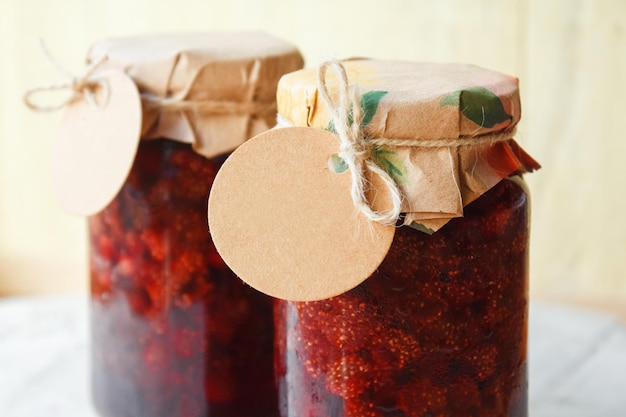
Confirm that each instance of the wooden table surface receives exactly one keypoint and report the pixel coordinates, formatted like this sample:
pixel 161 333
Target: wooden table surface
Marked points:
pixel 577 360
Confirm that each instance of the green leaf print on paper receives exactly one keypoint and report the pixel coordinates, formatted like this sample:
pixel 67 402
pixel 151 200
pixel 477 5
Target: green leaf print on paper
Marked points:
pixel 369 105
pixel 479 105
pixel 337 164
pixel 386 159
pixel 421 228
pixel 392 163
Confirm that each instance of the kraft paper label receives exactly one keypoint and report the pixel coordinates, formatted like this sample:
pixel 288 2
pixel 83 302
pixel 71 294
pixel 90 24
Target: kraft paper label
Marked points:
pixel 97 143
pixel 285 223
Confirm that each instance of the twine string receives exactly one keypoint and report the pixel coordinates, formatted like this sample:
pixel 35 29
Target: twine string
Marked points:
pixel 86 85
pixel 480 140
pixel 354 149
pixel 213 107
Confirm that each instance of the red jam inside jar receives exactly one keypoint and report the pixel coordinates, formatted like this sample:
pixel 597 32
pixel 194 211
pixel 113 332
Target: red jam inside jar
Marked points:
pixel 174 332
pixel 439 330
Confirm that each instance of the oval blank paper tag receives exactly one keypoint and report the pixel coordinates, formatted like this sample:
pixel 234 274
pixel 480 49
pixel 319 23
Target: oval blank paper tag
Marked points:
pixel 286 224
pixel 96 145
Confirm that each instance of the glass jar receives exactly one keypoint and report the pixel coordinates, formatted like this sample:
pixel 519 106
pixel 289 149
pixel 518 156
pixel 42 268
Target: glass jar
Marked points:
pixel 440 328
pixel 174 332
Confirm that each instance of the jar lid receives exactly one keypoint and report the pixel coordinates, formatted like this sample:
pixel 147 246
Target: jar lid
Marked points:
pixel 213 89
pixel 443 108
pixel 421 100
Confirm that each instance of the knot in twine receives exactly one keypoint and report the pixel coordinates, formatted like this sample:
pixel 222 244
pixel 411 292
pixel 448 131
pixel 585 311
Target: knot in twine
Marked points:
pixel 86 85
pixel 354 149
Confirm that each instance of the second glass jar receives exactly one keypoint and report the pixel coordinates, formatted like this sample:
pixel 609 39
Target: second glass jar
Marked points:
pixel 174 332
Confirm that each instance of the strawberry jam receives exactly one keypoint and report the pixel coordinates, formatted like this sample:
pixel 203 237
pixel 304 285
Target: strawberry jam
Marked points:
pixel 175 333
pixel 439 330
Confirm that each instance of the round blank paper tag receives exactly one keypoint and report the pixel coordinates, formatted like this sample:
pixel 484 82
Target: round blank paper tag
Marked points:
pixel 96 145
pixel 285 223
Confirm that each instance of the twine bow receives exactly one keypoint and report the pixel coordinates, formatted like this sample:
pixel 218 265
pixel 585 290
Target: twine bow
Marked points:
pixel 86 85
pixel 355 149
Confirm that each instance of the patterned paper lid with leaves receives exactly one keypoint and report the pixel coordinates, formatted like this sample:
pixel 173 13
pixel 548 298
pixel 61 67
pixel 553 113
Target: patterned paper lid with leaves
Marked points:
pixel 442 131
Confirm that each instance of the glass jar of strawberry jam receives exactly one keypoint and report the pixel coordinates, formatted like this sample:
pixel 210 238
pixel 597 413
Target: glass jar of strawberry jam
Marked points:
pixel 440 328
pixel 174 333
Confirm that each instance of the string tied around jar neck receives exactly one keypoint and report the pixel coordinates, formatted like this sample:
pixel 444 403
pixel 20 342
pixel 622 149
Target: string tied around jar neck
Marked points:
pixel 212 107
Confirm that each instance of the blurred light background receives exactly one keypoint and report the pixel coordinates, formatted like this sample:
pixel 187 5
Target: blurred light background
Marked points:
pixel 570 56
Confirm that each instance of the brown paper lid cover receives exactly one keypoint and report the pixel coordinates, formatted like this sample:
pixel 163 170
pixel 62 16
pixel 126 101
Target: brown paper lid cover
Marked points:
pixel 424 102
pixel 185 71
